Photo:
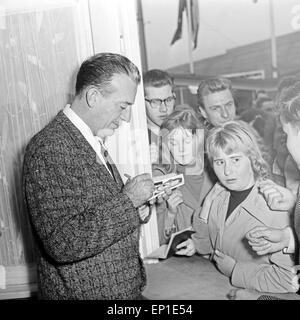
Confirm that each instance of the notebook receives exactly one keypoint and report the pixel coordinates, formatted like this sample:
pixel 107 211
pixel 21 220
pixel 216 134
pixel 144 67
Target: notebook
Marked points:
pixel 167 250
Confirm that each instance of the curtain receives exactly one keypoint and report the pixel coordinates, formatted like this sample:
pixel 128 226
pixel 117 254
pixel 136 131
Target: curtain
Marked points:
pixel 39 54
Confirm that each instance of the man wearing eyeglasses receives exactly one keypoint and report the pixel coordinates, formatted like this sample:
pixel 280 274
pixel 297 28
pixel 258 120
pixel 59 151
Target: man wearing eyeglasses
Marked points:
pixel 159 102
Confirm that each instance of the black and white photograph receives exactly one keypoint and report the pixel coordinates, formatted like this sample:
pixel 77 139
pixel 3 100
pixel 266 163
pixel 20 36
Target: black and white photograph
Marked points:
pixel 149 153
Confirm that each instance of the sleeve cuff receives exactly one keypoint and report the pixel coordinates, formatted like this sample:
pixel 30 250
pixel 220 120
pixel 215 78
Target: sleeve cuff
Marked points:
pixel 291 247
pixel 237 278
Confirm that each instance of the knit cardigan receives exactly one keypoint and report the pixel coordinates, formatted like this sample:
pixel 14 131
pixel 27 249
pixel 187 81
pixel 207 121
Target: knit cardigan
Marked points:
pixel 87 229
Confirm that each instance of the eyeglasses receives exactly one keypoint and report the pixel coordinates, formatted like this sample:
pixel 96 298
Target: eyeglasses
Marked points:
pixel 156 103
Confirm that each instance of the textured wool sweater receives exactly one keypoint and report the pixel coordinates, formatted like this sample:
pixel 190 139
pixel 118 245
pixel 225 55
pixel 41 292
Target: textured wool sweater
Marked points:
pixel 87 229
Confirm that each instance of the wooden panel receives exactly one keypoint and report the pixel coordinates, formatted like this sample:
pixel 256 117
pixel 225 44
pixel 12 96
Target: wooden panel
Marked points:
pixel 20 291
pixel 20 282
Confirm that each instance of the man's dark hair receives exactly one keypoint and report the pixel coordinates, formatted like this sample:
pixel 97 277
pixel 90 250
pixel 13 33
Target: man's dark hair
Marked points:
pixel 284 90
pixel 289 106
pixel 157 78
pixel 287 81
pixel 261 101
pixel 99 70
pixel 212 85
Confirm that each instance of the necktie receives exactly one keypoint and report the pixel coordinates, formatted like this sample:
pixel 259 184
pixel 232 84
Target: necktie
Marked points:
pixel 107 159
pixel 160 149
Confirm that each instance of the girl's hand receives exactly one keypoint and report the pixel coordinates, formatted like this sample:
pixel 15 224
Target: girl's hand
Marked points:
pixel 224 263
pixel 186 248
pixel 174 200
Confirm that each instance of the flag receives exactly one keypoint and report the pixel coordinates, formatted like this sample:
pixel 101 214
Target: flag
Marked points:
pixel 178 32
pixel 194 23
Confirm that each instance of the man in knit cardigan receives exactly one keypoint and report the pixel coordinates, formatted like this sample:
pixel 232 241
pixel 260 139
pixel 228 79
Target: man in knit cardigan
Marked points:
pixel 84 219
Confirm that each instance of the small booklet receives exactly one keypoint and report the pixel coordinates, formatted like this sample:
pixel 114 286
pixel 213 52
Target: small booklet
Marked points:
pixel 167 250
pixel 171 180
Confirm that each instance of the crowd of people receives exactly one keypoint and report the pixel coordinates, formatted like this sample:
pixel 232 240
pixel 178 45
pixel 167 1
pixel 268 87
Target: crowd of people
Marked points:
pixel 240 196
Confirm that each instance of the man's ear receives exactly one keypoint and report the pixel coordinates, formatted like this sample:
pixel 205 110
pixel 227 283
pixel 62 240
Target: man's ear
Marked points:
pixel 203 112
pixel 92 95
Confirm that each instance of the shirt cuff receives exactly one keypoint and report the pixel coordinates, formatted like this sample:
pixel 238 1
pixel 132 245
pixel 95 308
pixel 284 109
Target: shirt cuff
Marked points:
pixel 291 247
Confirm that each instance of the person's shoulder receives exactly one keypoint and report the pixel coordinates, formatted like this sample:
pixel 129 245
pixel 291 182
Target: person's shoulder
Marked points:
pixel 220 192
pixel 47 139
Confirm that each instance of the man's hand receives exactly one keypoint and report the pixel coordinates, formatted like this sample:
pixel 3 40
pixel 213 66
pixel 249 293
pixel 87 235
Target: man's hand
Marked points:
pixel 139 189
pixel 266 240
pixel 277 197
pixel 174 200
pixel 186 248
pixel 224 263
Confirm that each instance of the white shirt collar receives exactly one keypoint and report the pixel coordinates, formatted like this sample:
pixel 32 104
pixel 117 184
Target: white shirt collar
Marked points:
pixel 86 132
pixel 79 124
pixel 153 127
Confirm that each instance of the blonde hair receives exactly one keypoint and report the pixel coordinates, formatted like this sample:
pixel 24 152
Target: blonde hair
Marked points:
pixel 237 136
pixel 183 116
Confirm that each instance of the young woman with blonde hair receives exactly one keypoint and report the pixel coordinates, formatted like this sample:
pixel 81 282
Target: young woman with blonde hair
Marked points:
pixel 233 207
pixel 183 152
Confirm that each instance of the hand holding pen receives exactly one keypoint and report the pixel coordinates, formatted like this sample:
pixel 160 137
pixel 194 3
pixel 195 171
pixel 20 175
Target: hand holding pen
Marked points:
pixel 139 188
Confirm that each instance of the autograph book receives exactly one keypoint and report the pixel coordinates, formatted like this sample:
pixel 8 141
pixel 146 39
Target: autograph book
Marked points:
pixel 170 180
pixel 167 250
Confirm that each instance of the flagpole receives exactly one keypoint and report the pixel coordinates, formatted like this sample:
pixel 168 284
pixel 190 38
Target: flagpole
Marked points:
pixel 273 41
pixel 142 38
pixel 189 28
